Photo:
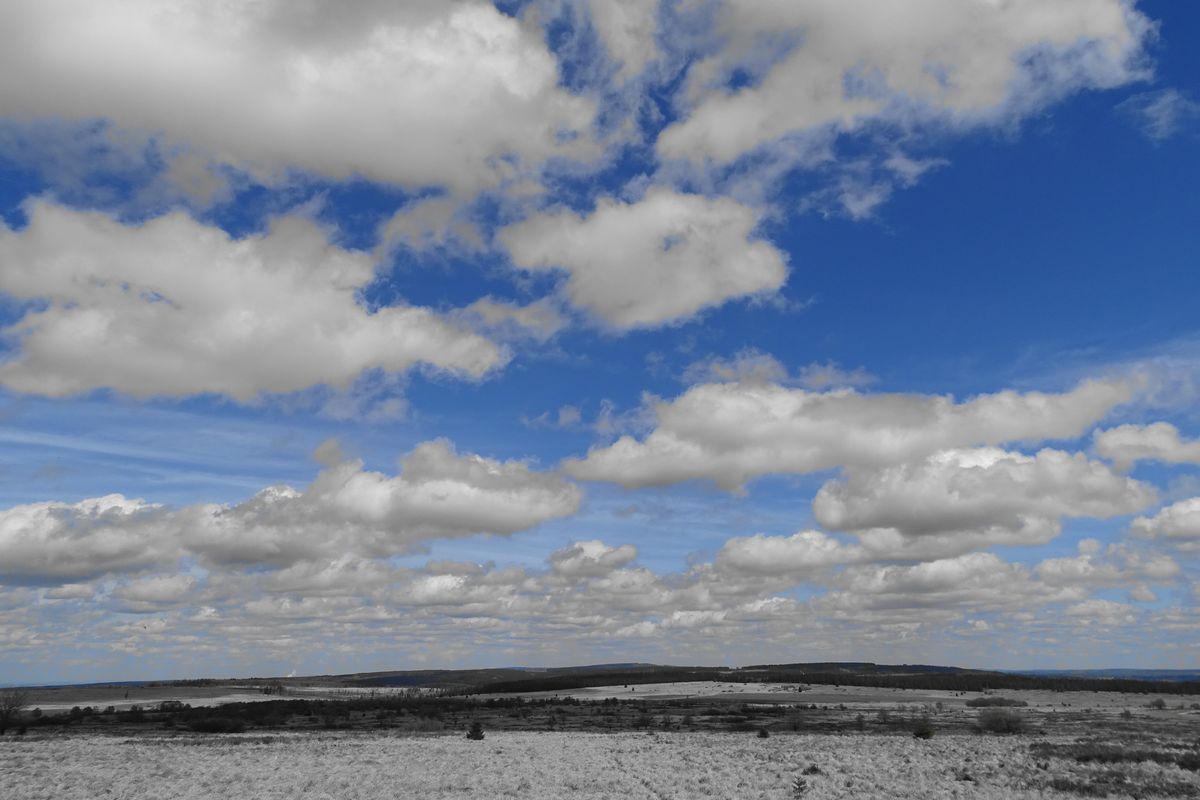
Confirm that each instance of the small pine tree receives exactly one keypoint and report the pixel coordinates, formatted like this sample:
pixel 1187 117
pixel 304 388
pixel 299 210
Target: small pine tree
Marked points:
pixel 476 731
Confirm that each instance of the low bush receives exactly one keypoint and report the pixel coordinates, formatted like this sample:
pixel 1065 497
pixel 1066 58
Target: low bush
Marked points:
pixel 217 725
pixel 1000 720
pixel 923 728
pixel 991 702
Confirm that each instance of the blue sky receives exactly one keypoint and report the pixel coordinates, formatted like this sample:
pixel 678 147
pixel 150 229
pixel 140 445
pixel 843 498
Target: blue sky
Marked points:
pixel 567 331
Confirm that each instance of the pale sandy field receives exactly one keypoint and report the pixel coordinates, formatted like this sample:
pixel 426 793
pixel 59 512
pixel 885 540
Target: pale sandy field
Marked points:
pixel 541 766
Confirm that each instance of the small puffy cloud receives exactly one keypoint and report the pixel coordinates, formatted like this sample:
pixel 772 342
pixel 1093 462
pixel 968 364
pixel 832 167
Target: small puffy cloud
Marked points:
pixel 828 375
pixel 344 574
pixel 1177 524
pixel 754 366
pixel 438 590
pixel 1142 594
pixel 438 494
pixel 68 542
pixel 967 499
pixel 843 63
pixel 1127 444
pixel 195 178
pixel 591 559
pixel 539 319
pixel 945 586
pixel 802 553
pixel 174 307
pixel 747 366
pixel 654 261
pixel 628 589
pixel 1161 114
pixel 71 591
pixel 419 93
pixel 1118 565
pixel 567 416
pixel 628 29
pixel 1108 613
pixel 427 223
pixel 150 594
pixel 730 433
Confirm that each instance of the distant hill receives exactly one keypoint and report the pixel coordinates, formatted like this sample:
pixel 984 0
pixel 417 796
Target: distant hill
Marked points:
pixel 1190 675
pixel 517 680
pixel 897 676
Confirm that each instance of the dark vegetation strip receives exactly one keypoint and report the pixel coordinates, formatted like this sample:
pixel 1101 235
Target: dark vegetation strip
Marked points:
pixel 1101 752
pixel 928 678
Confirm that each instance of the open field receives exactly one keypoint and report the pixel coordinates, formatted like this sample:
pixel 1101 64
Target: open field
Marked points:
pixel 667 740
pixel 532 765
pixel 869 695
pixel 685 706
pixel 124 697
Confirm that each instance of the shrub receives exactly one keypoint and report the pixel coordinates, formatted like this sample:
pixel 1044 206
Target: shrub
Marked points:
pixel 1001 720
pixel 217 725
pixel 923 728
pixel 12 703
pixel 990 702
pixel 476 732
pixel 1157 703
pixel 763 733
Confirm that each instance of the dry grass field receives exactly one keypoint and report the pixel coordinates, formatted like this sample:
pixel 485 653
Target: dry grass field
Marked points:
pixel 681 740
pixel 530 765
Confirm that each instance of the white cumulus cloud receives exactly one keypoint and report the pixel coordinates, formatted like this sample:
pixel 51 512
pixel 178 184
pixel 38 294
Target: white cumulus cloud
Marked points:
pixel 1128 444
pixel 840 63
pixel 68 542
pixel 175 307
pixel 730 433
pixel 627 28
pixel 591 559
pixel 345 515
pixel 1178 524
pixel 659 259
pixel 802 553
pixel 421 93
pixel 437 494
pixel 955 501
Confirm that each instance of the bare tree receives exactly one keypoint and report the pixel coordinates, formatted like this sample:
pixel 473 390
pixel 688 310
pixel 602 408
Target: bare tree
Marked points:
pixel 12 703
